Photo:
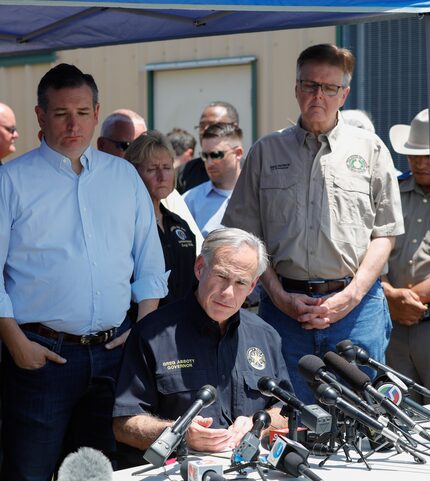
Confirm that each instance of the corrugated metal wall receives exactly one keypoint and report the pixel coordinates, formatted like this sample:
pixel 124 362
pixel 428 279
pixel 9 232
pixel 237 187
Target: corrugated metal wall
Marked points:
pixel 121 77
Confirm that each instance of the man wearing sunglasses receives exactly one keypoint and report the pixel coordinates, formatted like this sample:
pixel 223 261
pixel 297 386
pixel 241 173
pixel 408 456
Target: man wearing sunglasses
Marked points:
pixel 324 197
pixel 118 131
pixel 8 132
pixel 221 153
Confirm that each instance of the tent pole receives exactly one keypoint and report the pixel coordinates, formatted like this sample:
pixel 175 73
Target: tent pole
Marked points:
pixel 427 30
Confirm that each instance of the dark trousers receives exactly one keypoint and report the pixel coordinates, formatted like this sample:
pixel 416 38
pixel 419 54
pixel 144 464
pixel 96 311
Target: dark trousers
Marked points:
pixel 51 411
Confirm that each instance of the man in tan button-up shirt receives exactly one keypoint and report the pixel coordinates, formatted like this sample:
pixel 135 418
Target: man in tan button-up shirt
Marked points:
pixel 324 197
pixel 407 285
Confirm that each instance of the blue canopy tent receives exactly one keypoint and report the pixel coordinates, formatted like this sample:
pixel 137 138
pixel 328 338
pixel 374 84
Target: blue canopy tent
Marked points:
pixel 37 26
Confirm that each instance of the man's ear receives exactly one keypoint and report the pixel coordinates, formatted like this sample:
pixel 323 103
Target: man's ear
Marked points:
pixel 41 116
pixel 198 267
pixel 253 284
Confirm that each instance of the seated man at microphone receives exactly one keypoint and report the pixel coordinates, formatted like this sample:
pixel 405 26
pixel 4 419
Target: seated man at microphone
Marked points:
pixel 203 339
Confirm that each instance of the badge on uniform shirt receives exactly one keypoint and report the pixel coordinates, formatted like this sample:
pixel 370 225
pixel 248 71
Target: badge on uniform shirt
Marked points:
pixel 180 233
pixel 256 358
pixel 356 163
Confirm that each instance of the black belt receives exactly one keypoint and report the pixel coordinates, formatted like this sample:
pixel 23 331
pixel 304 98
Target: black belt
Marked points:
pixel 88 339
pixel 316 286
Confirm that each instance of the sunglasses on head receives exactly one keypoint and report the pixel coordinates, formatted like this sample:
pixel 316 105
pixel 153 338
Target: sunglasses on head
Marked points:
pixel 121 145
pixel 215 154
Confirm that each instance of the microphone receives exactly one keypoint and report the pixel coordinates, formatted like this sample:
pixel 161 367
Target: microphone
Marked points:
pixel 248 449
pixel 169 439
pixel 86 463
pixel 396 394
pixel 296 466
pixel 361 381
pixel 312 368
pixel 312 416
pixel 290 457
pixel 362 357
pixel 202 470
pixel 329 396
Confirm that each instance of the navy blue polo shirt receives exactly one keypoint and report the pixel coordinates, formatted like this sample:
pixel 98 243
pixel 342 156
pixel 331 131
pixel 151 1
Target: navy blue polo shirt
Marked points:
pixel 178 349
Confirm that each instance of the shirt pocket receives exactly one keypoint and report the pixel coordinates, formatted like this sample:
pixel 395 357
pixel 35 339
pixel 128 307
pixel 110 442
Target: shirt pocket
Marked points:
pixel 278 198
pixel 180 382
pixel 249 397
pixel 351 200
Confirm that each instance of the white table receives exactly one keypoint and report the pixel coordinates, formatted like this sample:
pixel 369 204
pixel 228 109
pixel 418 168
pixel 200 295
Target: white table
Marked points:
pixel 385 467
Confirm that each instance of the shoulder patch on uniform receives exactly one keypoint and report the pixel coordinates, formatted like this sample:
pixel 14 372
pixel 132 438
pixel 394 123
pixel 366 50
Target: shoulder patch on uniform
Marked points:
pixel 256 358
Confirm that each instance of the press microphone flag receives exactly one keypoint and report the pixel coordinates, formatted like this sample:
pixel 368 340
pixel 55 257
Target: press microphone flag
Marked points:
pixel 202 470
pixel 248 448
pixel 169 439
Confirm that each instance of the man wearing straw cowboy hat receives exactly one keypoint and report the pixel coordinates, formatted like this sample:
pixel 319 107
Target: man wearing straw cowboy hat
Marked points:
pixel 407 286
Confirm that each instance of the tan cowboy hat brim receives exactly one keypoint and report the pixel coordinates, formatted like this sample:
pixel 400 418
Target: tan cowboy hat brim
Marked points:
pixel 412 139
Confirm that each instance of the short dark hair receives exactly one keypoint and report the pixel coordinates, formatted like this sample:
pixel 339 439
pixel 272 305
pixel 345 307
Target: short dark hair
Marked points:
pixel 181 141
pixel 329 54
pixel 222 130
pixel 64 76
pixel 232 113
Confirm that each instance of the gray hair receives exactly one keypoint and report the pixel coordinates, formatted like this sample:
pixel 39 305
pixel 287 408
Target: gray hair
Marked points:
pixel 232 237
pixel 111 120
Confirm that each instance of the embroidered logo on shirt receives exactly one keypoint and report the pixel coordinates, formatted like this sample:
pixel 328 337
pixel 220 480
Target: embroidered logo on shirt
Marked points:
pixel 279 167
pixel 180 233
pixel 356 163
pixel 256 358
pixel 179 364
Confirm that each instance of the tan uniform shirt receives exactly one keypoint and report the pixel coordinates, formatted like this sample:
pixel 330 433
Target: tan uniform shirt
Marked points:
pixel 409 262
pixel 317 203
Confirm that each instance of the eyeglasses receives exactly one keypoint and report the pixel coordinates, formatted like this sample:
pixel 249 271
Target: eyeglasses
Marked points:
pixel 309 86
pixel 215 154
pixel 119 144
pixel 11 130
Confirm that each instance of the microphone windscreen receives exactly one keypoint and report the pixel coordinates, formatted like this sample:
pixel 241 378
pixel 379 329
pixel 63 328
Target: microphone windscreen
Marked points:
pixel 309 365
pixel 207 394
pixel 292 461
pixel 358 379
pixel 86 464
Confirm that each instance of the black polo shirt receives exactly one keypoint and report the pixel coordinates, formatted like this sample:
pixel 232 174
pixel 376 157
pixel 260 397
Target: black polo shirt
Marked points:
pixel 178 349
pixel 179 249
pixel 191 174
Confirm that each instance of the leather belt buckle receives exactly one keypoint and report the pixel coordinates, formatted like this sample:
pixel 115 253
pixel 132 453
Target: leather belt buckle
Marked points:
pixel 316 283
pixel 86 340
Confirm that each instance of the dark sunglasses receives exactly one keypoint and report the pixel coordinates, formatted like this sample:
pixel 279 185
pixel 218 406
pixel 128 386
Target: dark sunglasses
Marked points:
pixel 121 145
pixel 216 154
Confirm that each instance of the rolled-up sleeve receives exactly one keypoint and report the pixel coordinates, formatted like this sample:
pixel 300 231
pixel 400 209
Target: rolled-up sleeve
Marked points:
pixel 243 210
pixel 6 309
pixel 386 194
pixel 150 278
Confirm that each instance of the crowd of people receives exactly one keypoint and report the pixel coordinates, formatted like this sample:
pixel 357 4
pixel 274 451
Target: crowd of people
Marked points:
pixel 126 267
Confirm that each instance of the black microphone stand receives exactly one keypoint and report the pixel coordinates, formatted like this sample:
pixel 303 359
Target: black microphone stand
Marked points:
pixel 293 420
pixel 256 465
pixel 346 437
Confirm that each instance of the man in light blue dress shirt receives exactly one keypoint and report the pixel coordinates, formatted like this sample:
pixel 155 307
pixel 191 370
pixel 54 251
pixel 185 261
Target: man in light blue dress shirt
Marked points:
pixel 75 225
pixel 222 152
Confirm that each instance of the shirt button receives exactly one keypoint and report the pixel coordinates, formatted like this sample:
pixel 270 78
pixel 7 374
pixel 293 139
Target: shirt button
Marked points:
pixel 98 293
pixel 410 261
pixel 223 377
pixel 425 201
pixel 89 236
pixel 419 221
pixel 64 161
pixel 410 286
pixel 84 209
pixel 414 241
